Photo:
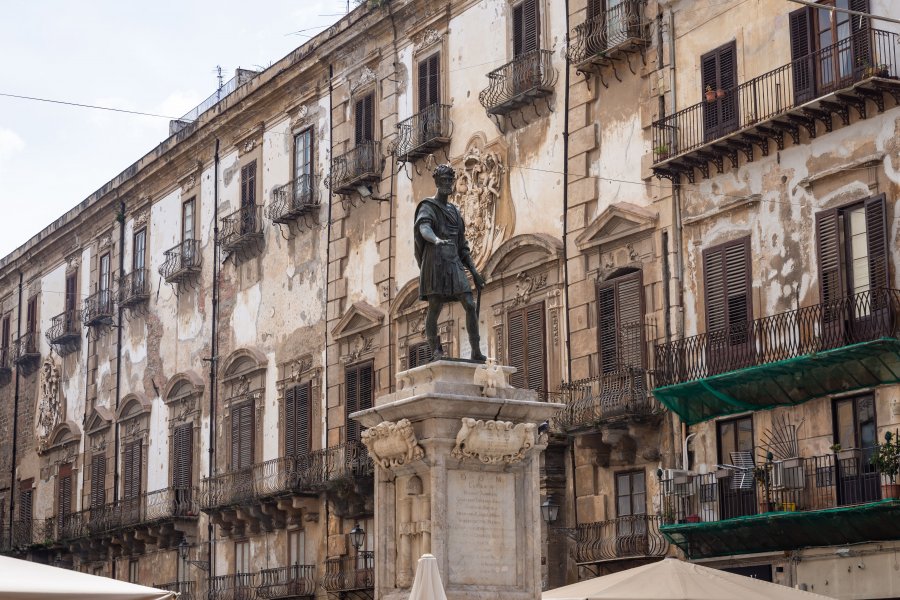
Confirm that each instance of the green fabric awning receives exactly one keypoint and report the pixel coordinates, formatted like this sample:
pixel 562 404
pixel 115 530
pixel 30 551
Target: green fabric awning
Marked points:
pixel 786 382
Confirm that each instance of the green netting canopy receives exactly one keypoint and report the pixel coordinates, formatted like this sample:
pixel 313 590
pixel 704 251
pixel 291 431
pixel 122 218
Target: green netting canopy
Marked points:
pixel 786 382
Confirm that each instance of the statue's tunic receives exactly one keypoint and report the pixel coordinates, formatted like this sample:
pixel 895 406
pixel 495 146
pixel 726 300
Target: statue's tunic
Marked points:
pixel 441 268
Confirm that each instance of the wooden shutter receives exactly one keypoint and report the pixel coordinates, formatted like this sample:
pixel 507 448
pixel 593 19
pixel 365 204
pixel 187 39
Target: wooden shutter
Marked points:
pixel 828 247
pixel 429 81
pixel 718 70
pixel 31 321
pixel 242 436
pixel 877 241
pixel 365 119
pixel 26 504
pixel 726 279
pixel 64 491
pixel 419 354
pixel 526 347
pixel 184 448
pixel 526 27
pixel 248 184
pixel 132 466
pixel 98 480
pixel 359 388
pixel 594 9
pixel 620 323
pixel 71 291
pixel 859 28
pixel 803 69
pixel 297 440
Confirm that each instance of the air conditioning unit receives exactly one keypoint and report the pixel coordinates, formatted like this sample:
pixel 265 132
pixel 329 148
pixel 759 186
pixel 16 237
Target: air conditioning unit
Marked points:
pixel 678 482
pixel 788 474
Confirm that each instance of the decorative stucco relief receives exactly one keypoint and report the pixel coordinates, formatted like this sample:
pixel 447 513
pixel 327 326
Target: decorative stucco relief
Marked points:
pixel 493 442
pixel 48 403
pixel 392 444
pixel 426 39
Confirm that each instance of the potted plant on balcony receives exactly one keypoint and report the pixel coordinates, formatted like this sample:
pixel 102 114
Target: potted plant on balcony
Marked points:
pixel 886 459
pixel 710 94
pixel 661 151
pixel 763 475
pixel 720 93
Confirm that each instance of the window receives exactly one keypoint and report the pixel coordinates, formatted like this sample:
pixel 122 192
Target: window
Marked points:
pixel 856 430
pixel 737 492
pixel 98 480
pixel 133 573
pixel 242 436
pixel 729 309
pixel 26 501
pixel 71 299
pixel 187 220
pixel 429 81
pixel 242 557
pixel 248 184
pixel 303 166
pixel 365 119
pixel 132 464
pixel 140 250
pixel 620 324
pixel 718 71
pixel 358 386
pixel 297 548
pixel 631 494
pixel 419 354
pixel 525 347
pixel 64 492
pixel 297 432
pixel 103 301
pixel 181 464
pixel 526 28
pixel 5 332
pixel 31 315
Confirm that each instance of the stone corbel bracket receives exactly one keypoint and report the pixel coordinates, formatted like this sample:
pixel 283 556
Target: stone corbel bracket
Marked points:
pixel 393 444
pixel 494 442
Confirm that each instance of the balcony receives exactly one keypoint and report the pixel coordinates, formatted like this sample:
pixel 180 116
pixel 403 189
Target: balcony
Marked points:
pixel 238 586
pixel 186 590
pixel 623 538
pixel 811 501
pixel 358 167
pixel 350 573
pixel 603 39
pixel 287 582
pixel 794 97
pixel 293 200
pixel 31 533
pixel 27 350
pixel 423 133
pixel 786 359
pixel 182 262
pixel 519 82
pixel 622 395
pixel 99 309
pixel 6 360
pixel 65 332
pixel 133 289
pixel 241 231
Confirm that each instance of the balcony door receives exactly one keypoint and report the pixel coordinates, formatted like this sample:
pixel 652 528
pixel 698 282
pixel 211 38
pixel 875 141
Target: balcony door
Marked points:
pixel 247 215
pixel 729 306
pixel 71 300
pixel 242 440
pixel 303 161
pixel 131 482
pixel 138 258
pixel 182 467
pixel 718 74
pixel 187 234
pixel 631 513
pixel 429 124
pixel 64 495
pixel 526 347
pixel 855 429
pixel 298 427
pixel 103 299
pixel 737 492
pixel 526 35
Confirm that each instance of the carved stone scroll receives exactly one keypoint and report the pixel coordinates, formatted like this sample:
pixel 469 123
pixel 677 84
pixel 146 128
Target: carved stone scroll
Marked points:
pixel 393 444
pixel 48 404
pixel 493 442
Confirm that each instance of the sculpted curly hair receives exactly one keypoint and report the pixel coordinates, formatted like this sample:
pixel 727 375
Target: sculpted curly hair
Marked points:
pixel 444 170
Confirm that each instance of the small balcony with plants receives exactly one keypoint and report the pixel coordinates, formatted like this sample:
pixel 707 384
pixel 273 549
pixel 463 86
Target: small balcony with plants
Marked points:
pixel 294 581
pixel 351 574
pixel 807 97
pixel 527 78
pixel 241 232
pixel 359 167
pixel 182 262
pixel 607 38
pixel 133 289
pixel 64 333
pixel 99 309
pixel 293 200
pixel 423 133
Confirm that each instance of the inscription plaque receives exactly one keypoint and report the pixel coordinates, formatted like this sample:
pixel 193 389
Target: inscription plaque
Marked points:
pixel 481 525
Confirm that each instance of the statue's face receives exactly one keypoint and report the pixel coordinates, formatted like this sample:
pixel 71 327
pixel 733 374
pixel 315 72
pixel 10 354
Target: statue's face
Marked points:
pixel 445 184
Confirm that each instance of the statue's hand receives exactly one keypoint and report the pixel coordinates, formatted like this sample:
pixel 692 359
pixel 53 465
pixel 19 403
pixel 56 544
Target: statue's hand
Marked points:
pixel 479 280
pixel 441 242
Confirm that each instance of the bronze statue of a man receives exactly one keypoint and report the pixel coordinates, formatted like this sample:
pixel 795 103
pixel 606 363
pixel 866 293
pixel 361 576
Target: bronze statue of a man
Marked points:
pixel 442 251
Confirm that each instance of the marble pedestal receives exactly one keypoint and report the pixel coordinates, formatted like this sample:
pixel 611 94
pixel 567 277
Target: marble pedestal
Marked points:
pixel 457 456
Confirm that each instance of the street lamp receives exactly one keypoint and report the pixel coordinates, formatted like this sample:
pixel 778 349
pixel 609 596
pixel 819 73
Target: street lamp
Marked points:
pixel 183 553
pixel 549 510
pixel 357 536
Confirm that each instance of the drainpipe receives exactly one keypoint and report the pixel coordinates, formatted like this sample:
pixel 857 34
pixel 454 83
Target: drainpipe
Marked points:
pixel 328 267
pixel 120 218
pixel 15 421
pixel 391 376
pixel 213 361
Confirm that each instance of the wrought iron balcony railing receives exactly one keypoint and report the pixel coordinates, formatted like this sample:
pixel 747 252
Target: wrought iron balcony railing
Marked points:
pixel 186 590
pixel 287 582
pixel 261 480
pixel 27 349
pixel 293 199
pixel 350 572
pixel 65 328
pixel 347 460
pixel 423 133
pixel 149 507
pixel 635 536
pixel 237 586
pixel 788 91
pixel 620 28
pixel 181 261
pixel 33 532
pixel 518 82
pixel 6 360
pixel 134 288
pixel 241 229
pixel 863 317
pixel 98 308
pixel 357 167
pixel 621 394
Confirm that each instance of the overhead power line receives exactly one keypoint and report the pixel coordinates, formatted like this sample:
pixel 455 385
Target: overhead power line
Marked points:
pixel 845 10
pixel 94 106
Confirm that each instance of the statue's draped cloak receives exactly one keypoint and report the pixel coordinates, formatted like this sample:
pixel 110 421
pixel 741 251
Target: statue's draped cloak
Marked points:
pixel 441 268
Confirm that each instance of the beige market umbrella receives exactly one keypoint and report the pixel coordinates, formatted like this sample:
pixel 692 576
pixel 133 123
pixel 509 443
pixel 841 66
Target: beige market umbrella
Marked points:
pixel 672 579
pixel 25 580
pixel 427 584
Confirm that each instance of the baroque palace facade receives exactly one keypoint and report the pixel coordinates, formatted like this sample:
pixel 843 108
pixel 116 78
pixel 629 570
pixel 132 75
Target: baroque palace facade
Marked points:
pixel 686 216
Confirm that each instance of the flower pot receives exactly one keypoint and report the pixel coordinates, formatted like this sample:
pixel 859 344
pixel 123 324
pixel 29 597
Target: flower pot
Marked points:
pixel 692 518
pixel 765 507
pixel 710 96
pixel 890 490
pixel 720 93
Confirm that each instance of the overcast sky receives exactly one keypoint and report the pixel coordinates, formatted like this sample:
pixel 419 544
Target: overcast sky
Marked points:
pixel 157 57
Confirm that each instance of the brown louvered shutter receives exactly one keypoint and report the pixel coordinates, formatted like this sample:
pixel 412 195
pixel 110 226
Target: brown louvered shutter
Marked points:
pixel 360 385
pixel 515 347
pixel 828 246
pixel 242 436
pixel 429 81
pixel 98 480
pixel 526 347
pixel 64 491
pixel 526 29
pixel 26 504
pixel 877 242
pixel 419 354
pixel 365 119
pixel 718 70
pixel 594 9
pixel 620 322
pixel 290 421
pixel 132 466
pixel 248 184
pixel 184 447
pixel 729 310
pixel 859 30
pixel 297 420
pixel 801 55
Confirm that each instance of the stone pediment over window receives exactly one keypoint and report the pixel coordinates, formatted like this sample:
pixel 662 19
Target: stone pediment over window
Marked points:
pixel 132 406
pixel 521 253
pixel 182 386
pixel 360 317
pixel 619 224
pixel 99 420
pixel 64 436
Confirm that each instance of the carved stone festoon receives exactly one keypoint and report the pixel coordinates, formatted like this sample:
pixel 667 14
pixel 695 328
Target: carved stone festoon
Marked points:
pixel 392 444
pixel 48 403
pixel 493 442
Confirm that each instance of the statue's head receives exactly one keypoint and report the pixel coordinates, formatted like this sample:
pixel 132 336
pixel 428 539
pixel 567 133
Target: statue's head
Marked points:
pixel 444 178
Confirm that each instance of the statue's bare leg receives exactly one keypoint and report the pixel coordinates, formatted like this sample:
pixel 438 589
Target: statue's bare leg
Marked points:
pixel 431 334
pixel 472 326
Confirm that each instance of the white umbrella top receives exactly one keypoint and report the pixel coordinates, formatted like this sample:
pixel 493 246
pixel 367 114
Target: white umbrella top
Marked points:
pixel 427 584
pixel 25 580
pixel 673 579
